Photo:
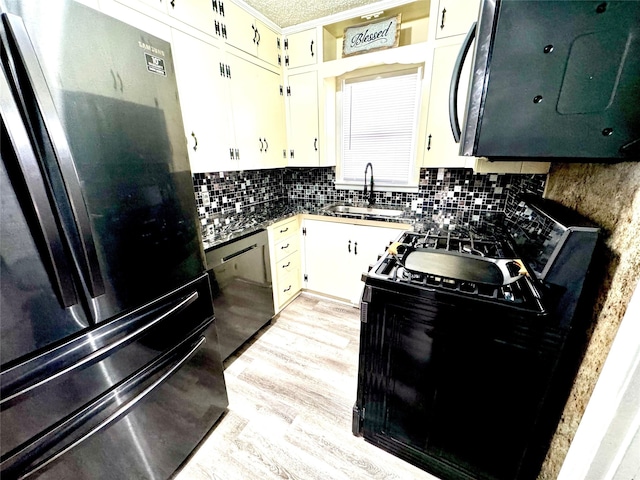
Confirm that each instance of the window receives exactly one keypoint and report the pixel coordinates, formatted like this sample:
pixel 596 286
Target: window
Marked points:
pixel 379 121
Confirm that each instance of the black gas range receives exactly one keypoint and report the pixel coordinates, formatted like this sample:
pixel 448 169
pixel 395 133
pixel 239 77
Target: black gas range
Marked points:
pixel 465 262
pixel 469 339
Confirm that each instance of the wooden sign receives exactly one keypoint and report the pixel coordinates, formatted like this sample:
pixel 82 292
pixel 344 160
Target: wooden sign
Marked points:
pixel 368 37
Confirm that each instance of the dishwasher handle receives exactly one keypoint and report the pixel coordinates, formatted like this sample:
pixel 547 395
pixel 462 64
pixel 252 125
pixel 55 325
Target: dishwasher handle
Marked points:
pixel 239 252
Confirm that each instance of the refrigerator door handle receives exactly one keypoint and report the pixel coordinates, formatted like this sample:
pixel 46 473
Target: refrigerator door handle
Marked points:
pixel 15 386
pixel 26 55
pixel 19 462
pixel 27 163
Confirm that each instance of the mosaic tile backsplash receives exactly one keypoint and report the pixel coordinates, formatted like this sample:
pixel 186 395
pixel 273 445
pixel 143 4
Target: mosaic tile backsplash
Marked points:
pixel 447 197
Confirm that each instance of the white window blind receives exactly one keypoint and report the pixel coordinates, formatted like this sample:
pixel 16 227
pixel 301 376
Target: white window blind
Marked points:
pixel 379 121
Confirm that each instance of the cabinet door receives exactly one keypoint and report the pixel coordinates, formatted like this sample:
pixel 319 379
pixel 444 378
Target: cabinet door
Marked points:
pixel 303 119
pixel 160 5
pixel 272 120
pixel 245 107
pixel 241 28
pixel 369 244
pixel 441 150
pixel 205 109
pixel 327 254
pixel 302 48
pixel 456 16
pixel 197 13
pixel 267 43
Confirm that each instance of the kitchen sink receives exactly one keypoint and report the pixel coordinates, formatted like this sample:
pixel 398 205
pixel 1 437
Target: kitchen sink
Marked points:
pixel 364 211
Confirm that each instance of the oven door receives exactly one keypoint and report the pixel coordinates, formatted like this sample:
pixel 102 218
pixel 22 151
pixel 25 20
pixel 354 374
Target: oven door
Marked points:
pixel 452 384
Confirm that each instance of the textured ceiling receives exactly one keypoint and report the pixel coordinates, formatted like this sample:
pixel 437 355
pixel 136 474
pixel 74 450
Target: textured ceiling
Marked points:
pixel 285 13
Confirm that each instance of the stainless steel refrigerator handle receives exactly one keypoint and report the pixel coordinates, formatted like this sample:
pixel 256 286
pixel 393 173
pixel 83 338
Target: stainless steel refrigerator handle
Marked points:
pixel 61 267
pixel 101 352
pixel 90 267
pixel 101 403
pixel 455 82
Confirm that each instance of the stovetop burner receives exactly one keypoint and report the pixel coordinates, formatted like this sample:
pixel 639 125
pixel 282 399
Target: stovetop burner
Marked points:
pixel 461 241
pixel 466 262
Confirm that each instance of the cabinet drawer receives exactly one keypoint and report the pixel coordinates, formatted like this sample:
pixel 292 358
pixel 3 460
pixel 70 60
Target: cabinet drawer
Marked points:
pixel 285 229
pixel 287 266
pixel 288 283
pixel 287 247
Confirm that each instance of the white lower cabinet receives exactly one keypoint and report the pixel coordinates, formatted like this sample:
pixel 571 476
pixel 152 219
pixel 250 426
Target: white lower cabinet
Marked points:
pixel 337 254
pixel 284 243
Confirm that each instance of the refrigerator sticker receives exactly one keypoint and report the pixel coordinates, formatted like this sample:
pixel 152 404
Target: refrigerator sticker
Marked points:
pixel 155 65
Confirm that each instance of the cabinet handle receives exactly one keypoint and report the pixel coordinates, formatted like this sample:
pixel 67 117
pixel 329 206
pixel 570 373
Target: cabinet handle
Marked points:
pixel 429 142
pixel 312 54
pixel 221 7
pixel 455 83
pixel 284 246
pixel 287 265
pixel 173 3
pixel 231 153
pixel 195 147
pixel 214 5
pixel 285 230
pixel 258 42
pixel 315 144
pixel 261 144
pixel 349 247
pixel 444 11
pixel 266 145
pixel 237 154
pixel 355 248
pixel 255 32
pixel 287 289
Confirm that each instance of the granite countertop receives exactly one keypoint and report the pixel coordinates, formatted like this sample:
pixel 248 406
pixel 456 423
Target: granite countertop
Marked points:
pixel 238 225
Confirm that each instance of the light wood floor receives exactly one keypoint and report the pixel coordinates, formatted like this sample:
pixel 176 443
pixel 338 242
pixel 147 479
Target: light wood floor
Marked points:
pixel 291 393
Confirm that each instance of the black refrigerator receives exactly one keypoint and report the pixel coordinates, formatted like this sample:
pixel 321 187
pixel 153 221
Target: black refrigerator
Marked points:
pixel 110 366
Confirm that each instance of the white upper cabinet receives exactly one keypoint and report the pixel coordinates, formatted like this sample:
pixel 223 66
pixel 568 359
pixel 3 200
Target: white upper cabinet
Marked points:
pixel 302 119
pixel 197 13
pixel 250 35
pixel 257 115
pixel 441 150
pixel 455 17
pixel 301 49
pixel 204 102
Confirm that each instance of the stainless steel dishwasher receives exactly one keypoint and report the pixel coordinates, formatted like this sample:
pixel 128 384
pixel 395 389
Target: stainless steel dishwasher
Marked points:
pixel 240 275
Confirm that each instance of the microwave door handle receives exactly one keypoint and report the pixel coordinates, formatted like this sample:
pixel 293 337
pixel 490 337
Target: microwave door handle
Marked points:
pixel 455 83
pixel 26 54
pixel 14 132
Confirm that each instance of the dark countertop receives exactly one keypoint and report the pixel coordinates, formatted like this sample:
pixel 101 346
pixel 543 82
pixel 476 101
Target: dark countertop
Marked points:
pixel 237 225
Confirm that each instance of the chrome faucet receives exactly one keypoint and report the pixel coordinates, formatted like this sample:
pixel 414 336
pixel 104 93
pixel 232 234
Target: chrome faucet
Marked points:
pixel 372 198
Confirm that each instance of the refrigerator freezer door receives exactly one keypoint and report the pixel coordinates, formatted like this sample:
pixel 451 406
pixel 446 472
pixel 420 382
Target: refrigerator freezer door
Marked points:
pixel 145 388
pixel 114 92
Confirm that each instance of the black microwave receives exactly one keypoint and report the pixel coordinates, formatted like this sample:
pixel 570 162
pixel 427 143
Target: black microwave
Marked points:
pixel 551 79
